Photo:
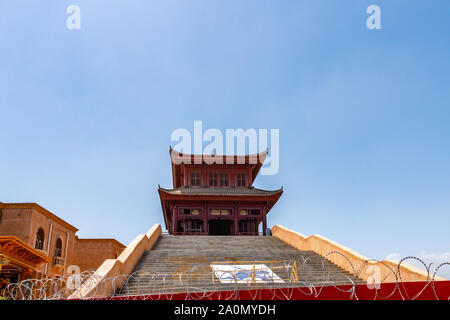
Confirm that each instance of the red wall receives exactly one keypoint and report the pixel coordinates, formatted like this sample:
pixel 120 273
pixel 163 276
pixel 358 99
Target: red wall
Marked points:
pixel 421 290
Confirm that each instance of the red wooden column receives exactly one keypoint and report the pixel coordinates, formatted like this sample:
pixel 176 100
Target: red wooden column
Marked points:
pixel 174 220
pixel 185 176
pixel 233 178
pixel 249 181
pixel 205 219
pixel 204 178
pixel 236 219
pixel 264 221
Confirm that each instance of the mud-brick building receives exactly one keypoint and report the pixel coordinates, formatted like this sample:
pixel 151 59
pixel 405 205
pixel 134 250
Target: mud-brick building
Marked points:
pixel 35 243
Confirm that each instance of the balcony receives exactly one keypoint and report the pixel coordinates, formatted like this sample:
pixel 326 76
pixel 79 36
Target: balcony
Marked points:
pixel 58 265
pixel 248 233
pixel 58 261
pixel 192 231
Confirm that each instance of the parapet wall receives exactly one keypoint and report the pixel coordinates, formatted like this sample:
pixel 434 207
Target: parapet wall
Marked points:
pixel 89 254
pixel 116 270
pixel 350 260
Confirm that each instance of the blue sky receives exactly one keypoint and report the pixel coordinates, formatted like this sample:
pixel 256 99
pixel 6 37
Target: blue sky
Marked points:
pixel 363 114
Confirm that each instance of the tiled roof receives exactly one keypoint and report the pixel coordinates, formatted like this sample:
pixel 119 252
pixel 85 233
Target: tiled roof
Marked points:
pixel 220 191
pixel 179 158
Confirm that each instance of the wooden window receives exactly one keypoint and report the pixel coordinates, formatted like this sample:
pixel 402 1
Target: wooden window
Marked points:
pixel 224 179
pixel 193 226
pixel 254 212
pixel 241 180
pixel 195 179
pixel 214 212
pixel 213 179
pixel 58 247
pixel 243 226
pixel 180 227
pixel 247 226
pixel 190 211
pixel 39 243
pixel 220 212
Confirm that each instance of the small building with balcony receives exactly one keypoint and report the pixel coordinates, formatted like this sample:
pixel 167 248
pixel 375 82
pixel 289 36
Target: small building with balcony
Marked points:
pixel 35 243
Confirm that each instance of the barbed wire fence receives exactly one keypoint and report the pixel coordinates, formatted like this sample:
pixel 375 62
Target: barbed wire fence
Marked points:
pixel 203 281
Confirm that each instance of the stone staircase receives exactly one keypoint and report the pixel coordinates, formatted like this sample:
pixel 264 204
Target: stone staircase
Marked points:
pixel 182 264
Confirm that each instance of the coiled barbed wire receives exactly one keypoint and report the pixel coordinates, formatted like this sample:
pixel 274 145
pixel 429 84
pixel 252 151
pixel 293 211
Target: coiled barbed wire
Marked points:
pixel 279 280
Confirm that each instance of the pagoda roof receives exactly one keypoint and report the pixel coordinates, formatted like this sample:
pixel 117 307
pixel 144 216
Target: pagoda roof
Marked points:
pixel 178 159
pixel 215 194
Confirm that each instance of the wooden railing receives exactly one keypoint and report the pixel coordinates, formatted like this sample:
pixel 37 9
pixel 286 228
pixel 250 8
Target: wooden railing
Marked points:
pixel 192 233
pixel 58 261
pixel 193 230
pixel 203 233
pixel 248 233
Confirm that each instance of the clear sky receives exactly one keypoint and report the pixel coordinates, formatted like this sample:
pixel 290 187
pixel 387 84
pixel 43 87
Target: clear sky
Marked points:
pixel 86 115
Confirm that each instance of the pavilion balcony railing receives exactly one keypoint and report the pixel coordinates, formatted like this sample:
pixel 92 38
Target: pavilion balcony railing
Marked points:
pixel 58 261
pixel 193 230
pixel 191 233
pixel 248 233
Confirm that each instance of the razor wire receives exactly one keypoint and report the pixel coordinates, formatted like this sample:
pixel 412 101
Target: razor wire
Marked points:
pixel 280 280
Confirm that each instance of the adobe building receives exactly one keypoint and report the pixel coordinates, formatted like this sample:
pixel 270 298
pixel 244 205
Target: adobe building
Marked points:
pixel 35 243
pixel 89 254
pixel 214 195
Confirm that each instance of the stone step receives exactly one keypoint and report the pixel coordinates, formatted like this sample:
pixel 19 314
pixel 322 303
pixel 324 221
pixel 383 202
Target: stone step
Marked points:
pixel 190 257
